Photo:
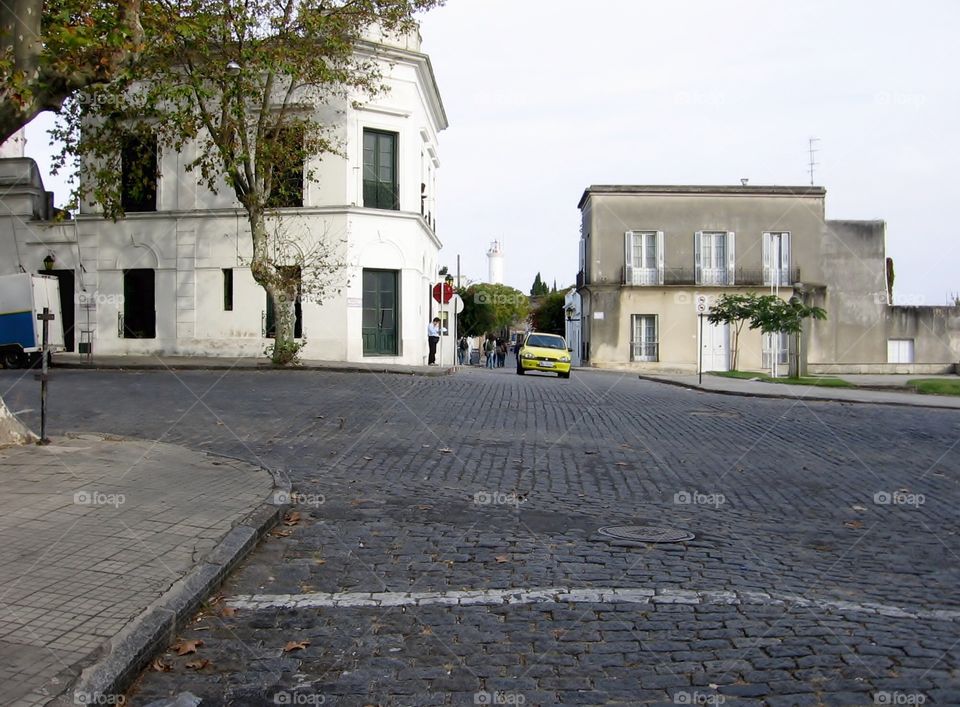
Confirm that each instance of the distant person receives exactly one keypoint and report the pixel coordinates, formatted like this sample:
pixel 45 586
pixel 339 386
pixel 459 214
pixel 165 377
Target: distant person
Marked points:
pixel 433 338
pixel 501 353
pixel 463 350
pixel 490 349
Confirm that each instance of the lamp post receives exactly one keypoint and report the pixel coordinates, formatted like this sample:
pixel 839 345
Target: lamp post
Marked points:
pixel 49 261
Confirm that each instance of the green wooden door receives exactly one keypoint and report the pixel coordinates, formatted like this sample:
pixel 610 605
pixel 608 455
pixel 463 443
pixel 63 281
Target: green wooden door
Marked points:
pixel 380 313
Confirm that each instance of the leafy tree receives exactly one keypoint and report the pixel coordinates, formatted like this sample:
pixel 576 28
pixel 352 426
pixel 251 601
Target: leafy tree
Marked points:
pixel 549 316
pixel 258 87
pixel 50 50
pixel 772 315
pixel 539 287
pixel 735 310
pixel 491 308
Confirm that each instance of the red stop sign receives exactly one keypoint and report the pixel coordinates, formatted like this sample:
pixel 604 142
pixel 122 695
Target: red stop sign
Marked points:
pixel 443 292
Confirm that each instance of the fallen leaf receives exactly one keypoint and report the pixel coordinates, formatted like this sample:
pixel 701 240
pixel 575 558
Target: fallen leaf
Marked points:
pixel 369 459
pixel 589 452
pixel 859 508
pixel 424 507
pixel 280 533
pixel 184 647
pixel 295 646
pixel 445 450
pixel 198 664
pixel 621 464
pixel 320 561
pixel 855 524
pixel 161 667
pixel 356 502
pixel 293 517
pixel 625 446
pixel 502 558
pixel 228 611
pixel 426 631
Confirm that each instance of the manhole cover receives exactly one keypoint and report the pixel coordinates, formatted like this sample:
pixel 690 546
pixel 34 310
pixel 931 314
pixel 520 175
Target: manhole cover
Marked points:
pixel 646 533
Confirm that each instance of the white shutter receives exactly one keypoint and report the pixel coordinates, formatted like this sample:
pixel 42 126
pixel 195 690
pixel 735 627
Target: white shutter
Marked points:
pixel 731 257
pixel 698 267
pixel 785 277
pixel 767 243
pixel 660 257
pixel 628 258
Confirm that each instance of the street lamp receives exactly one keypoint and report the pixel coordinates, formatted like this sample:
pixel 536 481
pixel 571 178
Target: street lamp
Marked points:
pixel 570 310
pixel 233 68
pixel 49 261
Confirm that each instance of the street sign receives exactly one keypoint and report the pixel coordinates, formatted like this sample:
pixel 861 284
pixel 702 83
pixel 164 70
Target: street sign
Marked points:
pixel 443 292
pixel 457 304
pixel 701 303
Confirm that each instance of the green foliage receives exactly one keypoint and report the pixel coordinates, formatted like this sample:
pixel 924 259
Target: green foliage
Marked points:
pixel 284 353
pixel 935 386
pixel 491 308
pixel 548 316
pixel 51 49
pixel 539 287
pixel 772 314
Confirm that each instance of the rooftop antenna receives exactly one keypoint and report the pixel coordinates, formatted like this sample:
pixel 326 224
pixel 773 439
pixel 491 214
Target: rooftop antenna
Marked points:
pixel 813 151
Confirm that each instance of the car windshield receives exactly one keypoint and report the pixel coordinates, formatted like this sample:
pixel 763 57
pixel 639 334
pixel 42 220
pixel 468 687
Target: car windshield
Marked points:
pixel 545 342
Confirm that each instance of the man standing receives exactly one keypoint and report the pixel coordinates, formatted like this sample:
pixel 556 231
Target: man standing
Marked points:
pixel 433 337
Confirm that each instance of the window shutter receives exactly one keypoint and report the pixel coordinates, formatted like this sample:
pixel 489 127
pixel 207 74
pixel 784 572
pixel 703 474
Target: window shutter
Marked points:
pixel 628 258
pixel 660 257
pixel 697 237
pixel 731 257
pixel 785 258
pixel 767 243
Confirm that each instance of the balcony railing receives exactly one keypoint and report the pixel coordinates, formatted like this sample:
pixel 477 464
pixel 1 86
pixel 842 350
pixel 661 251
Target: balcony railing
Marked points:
pixel 688 276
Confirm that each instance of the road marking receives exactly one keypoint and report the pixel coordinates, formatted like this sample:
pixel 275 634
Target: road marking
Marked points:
pixel 565 595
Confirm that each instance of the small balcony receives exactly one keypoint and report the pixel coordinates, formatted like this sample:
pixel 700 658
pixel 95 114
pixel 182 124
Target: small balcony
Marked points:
pixel 742 277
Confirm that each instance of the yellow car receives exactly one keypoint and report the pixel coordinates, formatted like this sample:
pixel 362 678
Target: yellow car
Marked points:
pixel 544 352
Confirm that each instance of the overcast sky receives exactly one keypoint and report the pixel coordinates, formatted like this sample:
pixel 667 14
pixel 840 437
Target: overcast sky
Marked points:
pixel 546 97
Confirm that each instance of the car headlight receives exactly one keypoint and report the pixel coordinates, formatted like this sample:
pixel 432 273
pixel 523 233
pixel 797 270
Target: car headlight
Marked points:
pixel 565 359
pixel 527 355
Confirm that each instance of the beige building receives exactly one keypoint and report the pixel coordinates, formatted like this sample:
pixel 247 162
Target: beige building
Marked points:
pixel 650 254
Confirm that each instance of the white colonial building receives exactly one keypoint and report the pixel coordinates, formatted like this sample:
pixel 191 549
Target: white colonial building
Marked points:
pixel 172 277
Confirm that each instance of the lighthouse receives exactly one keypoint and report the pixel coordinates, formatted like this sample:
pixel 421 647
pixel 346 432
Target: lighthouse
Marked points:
pixel 495 263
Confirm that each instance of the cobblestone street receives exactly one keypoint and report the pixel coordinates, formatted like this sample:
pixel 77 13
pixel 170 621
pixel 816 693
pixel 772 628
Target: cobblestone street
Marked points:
pixel 447 549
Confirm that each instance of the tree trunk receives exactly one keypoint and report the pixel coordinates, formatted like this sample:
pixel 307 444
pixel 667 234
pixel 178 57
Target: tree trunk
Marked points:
pixel 266 274
pixel 12 431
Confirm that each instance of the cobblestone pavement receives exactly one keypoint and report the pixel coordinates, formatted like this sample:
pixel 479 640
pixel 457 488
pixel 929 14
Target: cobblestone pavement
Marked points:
pixel 447 549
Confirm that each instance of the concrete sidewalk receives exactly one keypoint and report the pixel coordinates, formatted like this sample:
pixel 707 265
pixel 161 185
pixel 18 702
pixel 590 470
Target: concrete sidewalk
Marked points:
pixel 105 545
pixel 214 363
pixel 894 392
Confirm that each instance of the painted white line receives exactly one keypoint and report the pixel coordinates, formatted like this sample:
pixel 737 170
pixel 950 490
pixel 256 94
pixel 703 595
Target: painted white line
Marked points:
pixel 566 595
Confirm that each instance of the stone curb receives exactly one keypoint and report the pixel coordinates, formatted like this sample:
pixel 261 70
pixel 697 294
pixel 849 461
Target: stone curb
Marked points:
pixel 175 366
pixel 785 396
pixel 122 658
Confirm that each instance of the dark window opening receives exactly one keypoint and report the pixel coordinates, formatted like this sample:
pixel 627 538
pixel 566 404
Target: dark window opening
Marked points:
pixel 380 187
pixel 287 185
pixel 139 308
pixel 138 173
pixel 270 325
pixel 228 289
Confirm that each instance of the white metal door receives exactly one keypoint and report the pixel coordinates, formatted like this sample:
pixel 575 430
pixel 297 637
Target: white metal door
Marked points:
pixel 715 347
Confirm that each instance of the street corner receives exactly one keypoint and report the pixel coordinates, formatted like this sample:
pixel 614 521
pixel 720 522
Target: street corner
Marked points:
pixel 96 529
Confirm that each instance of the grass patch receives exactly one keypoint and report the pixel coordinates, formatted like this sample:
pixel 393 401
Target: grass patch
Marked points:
pixel 820 381
pixel 936 386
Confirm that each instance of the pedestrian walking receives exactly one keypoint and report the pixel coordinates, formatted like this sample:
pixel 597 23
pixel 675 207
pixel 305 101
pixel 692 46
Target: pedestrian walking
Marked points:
pixel 463 350
pixel 490 349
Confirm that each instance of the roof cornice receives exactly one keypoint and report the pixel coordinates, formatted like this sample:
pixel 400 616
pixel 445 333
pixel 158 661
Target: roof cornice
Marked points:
pixel 701 190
